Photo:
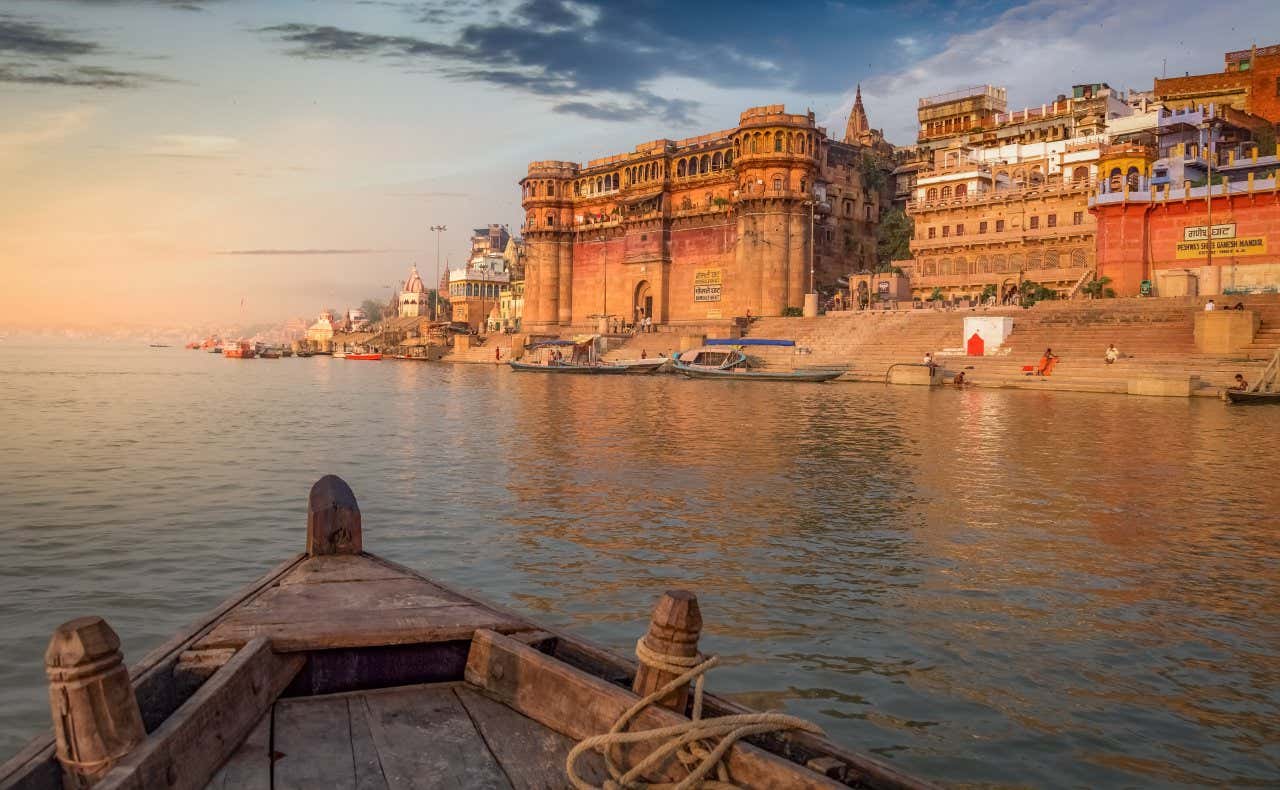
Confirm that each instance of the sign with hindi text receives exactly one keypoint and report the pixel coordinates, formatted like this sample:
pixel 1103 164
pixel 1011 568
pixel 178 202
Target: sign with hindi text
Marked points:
pixel 1245 245
pixel 1201 232
pixel 707 284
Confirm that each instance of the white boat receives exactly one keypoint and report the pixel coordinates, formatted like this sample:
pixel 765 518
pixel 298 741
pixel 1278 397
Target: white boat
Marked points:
pixel 648 365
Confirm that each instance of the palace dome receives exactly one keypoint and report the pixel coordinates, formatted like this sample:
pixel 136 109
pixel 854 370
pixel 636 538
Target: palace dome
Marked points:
pixel 414 283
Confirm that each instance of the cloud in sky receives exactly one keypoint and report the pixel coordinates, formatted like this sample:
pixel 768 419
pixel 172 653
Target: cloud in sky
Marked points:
pixel 596 59
pixel 39 54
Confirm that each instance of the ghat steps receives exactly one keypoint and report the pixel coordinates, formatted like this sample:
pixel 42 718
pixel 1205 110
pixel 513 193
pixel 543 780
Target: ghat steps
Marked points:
pixel 1156 337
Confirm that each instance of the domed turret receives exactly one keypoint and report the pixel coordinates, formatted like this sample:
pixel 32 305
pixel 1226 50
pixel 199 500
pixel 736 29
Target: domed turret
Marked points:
pixel 414 283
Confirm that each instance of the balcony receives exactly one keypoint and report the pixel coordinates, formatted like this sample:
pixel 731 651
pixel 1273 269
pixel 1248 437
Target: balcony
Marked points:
pixel 1000 195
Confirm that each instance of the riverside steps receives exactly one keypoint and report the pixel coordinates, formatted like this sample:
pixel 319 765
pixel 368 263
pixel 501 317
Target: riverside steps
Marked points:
pixel 339 669
pixel 1157 338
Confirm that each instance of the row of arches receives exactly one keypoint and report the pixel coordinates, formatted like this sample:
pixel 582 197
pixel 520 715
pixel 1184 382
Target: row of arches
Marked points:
pixel 540 188
pixel 1117 179
pixel 777 142
pixel 702 165
pixel 1011 263
pixel 609 182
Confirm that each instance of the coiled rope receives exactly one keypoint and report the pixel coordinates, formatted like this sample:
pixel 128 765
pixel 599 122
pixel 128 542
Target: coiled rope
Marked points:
pixel 685 740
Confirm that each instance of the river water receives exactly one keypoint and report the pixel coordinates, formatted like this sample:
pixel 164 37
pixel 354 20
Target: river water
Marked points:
pixel 983 587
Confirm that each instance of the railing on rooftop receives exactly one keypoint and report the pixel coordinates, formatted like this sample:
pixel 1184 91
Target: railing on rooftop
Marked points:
pixel 964 93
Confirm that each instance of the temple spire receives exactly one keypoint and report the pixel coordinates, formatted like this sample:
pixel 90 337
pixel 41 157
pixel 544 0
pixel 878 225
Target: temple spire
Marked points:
pixel 858 126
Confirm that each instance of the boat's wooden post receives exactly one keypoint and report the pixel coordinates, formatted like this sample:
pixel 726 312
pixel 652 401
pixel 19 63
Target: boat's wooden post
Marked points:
pixel 674 629
pixel 333 518
pixel 96 719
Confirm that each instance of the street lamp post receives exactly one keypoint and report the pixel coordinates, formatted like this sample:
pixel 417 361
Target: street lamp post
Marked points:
pixel 435 312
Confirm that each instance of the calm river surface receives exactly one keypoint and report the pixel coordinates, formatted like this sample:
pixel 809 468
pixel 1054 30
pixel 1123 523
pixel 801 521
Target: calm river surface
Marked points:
pixel 986 588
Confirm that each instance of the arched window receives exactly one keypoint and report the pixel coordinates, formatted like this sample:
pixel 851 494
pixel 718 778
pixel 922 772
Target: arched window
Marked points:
pixel 705 165
pixel 1079 258
pixel 961 190
pixel 680 169
pixel 800 144
pixel 932 194
pixel 998 264
pixel 577 189
pixel 1035 260
pixel 1016 263
pixel 946 193
pixel 551 220
pixel 1080 174
pixel 599 185
pixel 533 189
pixel 728 158
pixel 777 183
pixel 616 181
pixel 1133 177
pixel 716 162
pixel 777 142
pixel 944 266
pixel 1037 177
pixel 1116 179
pixel 1052 259
pixel 755 143
pixel 551 189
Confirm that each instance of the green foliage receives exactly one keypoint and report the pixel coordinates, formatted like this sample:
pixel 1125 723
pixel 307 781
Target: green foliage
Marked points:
pixel 936 296
pixel 1098 289
pixel 873 174
pixel 987 293
pixel 893 237
pixel 373 309
pixel 792 312
pixel 720 202
pixel 1033 292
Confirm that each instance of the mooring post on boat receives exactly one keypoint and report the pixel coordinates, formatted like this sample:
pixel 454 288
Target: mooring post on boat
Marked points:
pixel 333 518
pixel 96 719
pixel 673 632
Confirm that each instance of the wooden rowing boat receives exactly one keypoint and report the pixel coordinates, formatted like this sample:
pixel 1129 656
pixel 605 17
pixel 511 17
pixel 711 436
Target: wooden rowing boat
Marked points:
pixel 341 669
pixel 1239 396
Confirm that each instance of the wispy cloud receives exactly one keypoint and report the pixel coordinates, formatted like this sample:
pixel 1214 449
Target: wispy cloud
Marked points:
pixel 430 194
pixel 192 146
pixel 595 59
pixel 176 5
pixel 45 55
pixel 304 251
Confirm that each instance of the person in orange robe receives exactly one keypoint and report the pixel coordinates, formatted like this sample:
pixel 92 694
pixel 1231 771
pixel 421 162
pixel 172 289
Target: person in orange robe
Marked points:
pixel 1047 362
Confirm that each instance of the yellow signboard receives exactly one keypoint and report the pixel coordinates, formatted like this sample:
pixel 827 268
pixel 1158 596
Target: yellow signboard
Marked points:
pixel 1246 245
pixel 706 285
pixel 707 277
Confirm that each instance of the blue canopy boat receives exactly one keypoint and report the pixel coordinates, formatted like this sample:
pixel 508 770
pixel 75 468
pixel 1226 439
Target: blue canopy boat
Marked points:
pixel 722 358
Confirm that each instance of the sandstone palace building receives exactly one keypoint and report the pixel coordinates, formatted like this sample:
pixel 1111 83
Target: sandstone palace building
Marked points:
pixel 705 229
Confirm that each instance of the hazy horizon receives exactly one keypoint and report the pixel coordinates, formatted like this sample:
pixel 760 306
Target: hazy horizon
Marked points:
pixel 165 162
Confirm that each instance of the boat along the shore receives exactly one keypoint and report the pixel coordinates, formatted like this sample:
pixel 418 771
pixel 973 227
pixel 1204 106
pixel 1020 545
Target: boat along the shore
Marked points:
pixel 724 359
pixel 642 366
pixel 1265 390
pixel 340 669
pixel 582 359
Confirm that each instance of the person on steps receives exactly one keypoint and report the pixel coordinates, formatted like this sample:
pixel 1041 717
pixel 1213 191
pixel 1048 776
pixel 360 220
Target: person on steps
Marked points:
pixel 1241 385
pixel 1047 363
pixel 1112 354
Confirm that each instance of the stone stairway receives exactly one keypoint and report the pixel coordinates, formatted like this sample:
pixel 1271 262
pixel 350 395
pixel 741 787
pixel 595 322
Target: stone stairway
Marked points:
pixel 1156 337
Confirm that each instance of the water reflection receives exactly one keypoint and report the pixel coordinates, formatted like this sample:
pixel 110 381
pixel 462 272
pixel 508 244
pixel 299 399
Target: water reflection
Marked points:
pixel 987 587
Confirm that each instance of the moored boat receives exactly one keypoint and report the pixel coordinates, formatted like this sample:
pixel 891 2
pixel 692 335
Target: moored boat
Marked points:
pixel 365 356
pixel 340 669
pixel 241 349
pixel 1239 396
pixel 269 353
pixel 643 366
pixel 548 357
pixel 724 359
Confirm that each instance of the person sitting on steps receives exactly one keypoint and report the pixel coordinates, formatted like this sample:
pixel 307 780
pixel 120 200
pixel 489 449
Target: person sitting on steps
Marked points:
pixel 1047 363
pixel 1112 354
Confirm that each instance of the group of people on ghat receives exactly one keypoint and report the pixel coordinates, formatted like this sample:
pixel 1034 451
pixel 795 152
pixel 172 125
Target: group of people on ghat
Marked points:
pixel 1210 306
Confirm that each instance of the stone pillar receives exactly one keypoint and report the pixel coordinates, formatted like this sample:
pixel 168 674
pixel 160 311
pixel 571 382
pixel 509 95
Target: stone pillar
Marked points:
pixel 798 265
pixel 564 259
pixel 773 247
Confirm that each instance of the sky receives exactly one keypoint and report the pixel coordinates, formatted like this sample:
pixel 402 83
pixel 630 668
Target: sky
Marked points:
pixel 181 162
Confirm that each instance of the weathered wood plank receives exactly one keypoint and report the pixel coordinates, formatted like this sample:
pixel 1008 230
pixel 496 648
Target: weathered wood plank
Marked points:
pixel 531 755
pixel 351 629
pixel 579 705
pixel 249 766
pixel 34 767
pixel 188 748
pixel 425 739
pixel 364 752
pixel 315 601
pixel 340 568
pixel 313 744
pixel 349 669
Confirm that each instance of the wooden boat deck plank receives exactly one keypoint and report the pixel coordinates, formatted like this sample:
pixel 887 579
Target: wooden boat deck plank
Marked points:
pixel 533 756
pixel 356 601
pixel 249 766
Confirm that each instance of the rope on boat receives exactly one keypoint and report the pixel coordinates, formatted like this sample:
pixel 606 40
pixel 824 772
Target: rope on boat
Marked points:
pixel 685 740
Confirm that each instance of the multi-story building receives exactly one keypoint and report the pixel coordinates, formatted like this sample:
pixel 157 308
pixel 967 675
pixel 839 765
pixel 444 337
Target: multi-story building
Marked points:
pixel 475 291
pixel 1249 81
pixel 706 229
pixel 1003 197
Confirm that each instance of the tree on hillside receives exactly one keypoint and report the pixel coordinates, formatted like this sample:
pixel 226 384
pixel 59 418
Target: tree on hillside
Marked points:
pixel 373 309
pixel 893 238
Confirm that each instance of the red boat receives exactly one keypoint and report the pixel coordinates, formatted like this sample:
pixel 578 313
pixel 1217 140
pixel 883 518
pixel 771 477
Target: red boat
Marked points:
pixel 241 349
pixel 374 357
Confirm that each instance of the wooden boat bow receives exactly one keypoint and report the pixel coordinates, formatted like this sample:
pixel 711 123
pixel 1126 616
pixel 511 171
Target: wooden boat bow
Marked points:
pixel 341 669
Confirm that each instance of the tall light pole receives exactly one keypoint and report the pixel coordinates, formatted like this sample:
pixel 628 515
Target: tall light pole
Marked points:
pixel 436 311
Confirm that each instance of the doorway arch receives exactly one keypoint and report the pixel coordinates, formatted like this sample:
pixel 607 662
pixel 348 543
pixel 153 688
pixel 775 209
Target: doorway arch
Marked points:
pixel 643 306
